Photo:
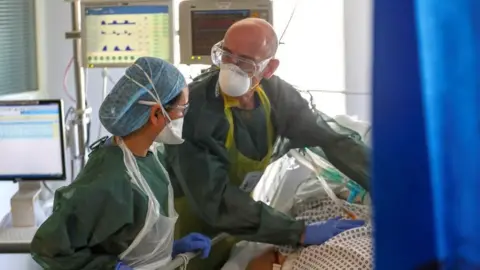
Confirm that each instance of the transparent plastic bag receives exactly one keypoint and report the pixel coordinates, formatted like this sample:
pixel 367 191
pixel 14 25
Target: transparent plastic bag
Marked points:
pixel 325 178
pixel 279 182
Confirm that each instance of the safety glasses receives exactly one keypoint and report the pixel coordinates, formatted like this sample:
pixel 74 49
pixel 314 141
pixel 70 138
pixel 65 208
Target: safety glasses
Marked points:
pixel 182 108
pixel 222 56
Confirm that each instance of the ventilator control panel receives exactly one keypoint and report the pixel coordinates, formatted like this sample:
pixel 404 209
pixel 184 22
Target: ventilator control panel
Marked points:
pixel 116 36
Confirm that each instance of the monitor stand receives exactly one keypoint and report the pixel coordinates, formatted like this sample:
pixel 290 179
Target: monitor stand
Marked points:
pixel 22 204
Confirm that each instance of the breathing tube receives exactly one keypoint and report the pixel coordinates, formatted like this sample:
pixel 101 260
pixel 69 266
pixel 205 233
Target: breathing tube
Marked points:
pixel 321 169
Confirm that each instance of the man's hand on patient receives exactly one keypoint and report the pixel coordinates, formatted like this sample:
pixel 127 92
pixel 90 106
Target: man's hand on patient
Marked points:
pixel 192 243
pixel 122 266
pixel 319 233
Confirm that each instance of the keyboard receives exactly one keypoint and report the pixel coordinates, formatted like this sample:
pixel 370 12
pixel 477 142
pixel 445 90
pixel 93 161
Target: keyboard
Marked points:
pixel 17 235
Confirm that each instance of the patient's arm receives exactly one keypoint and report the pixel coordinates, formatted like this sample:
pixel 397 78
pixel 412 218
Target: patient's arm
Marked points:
pixel 266 260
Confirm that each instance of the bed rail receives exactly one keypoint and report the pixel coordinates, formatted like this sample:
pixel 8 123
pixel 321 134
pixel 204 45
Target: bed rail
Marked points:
pixel 181 261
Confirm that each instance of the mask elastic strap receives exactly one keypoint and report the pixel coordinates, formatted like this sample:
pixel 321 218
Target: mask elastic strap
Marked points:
pixel 156 98
pixel 151 103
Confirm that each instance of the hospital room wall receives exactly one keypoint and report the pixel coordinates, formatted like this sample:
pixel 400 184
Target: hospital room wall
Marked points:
pixel 55 52
pixel 358 57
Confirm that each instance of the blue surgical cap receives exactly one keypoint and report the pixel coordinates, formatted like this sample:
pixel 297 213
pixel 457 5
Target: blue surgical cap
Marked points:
pixel 121 113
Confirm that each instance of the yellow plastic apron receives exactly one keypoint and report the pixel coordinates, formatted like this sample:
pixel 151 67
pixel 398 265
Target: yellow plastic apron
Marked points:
pixel 240 166
pixel 243 165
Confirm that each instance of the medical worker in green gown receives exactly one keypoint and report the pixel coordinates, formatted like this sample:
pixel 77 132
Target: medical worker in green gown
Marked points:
pixel 119 212
pixel 237 112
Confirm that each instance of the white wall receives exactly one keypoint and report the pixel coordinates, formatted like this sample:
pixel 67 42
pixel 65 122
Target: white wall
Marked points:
pixel 358 49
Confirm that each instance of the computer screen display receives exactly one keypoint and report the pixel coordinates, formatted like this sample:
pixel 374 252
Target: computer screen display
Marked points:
pixel 32 141
pixel 209 27
pixel 117 35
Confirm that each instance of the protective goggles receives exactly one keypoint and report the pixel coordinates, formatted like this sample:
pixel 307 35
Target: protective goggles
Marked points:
pixel 222 56
pixel 181 108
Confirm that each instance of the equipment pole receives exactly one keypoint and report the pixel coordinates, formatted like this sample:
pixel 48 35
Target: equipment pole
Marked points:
pixel 81 117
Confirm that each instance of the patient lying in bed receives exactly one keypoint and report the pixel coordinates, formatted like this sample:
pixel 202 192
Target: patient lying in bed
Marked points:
pixel 349 250
pixel 302 196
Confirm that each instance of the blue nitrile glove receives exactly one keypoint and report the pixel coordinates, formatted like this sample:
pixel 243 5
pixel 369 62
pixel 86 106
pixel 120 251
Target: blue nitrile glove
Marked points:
pixel 122 266
pixel 319 233
pixel 192 243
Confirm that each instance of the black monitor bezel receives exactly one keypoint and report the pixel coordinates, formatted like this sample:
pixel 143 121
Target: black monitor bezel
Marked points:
pixel 58 102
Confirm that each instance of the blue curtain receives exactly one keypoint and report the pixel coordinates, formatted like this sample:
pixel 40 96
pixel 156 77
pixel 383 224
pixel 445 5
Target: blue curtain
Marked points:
pixel 426 112
pixel 449 32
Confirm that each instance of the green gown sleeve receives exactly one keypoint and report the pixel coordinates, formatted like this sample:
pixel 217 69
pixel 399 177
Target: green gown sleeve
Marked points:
pixel 177 189
pixel 93 221
pixel 201 169
pixel 296 121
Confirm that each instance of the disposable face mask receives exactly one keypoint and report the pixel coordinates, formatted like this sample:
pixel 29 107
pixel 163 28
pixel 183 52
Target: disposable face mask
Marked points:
pixel 171 133
pixel 233 81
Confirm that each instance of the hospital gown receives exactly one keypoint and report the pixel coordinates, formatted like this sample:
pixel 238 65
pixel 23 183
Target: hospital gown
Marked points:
pixel 352 249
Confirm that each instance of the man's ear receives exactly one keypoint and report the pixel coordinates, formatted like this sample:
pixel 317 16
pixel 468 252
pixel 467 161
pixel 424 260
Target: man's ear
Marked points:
pixel 271 68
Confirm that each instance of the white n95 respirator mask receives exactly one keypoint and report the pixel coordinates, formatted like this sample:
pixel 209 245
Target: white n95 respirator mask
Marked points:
pixel 233 80
pixel 171 133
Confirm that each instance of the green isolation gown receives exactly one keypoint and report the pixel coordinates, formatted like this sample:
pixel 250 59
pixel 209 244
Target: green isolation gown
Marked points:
pixel 98 216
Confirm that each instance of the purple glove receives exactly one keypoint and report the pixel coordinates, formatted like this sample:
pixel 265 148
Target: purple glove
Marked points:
pixel 319 233
pixel 122 266
pixel 192 243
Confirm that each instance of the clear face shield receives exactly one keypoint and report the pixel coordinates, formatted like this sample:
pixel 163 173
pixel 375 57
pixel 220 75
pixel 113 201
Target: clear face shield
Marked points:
pixel 236 72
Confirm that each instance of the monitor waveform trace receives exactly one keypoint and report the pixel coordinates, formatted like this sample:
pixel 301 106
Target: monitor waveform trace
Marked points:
pixel 122 38
pixel 117 33
pixel 127 48
pixel 115 22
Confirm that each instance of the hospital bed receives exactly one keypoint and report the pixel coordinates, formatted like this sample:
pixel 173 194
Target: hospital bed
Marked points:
pixel 181 261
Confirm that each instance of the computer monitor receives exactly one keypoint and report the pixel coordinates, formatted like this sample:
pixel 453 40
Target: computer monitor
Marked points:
pixel 116 35
pixel 204 23
pixel 32 140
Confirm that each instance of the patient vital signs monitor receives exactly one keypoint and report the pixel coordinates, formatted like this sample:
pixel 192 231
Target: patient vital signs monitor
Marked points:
pixel 32 140
pixel 115 35
pixel 204 23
